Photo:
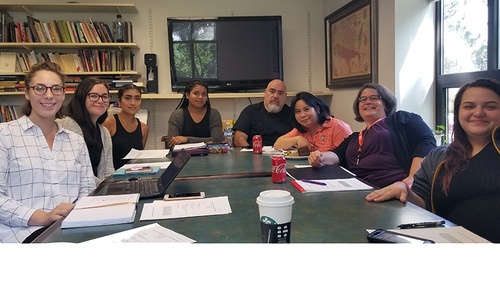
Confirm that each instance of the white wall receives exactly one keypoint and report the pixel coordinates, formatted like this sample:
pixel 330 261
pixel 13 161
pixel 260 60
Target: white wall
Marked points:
pixel 405 29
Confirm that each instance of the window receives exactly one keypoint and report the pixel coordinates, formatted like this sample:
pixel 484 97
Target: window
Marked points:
pixel 195 47
pixel 467 49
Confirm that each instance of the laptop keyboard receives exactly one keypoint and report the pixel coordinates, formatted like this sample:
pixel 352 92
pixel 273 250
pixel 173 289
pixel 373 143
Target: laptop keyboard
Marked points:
pixel 144 187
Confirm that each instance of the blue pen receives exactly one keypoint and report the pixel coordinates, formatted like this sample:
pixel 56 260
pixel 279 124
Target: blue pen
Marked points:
pixel 74 202
pixel 313 182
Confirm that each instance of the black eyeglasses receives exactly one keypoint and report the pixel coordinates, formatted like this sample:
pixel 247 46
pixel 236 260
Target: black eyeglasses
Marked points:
pixel 94 97
pixel 42 89
pixel 371 98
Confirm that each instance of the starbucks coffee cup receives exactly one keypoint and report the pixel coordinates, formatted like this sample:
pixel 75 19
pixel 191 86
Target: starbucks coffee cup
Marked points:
pixel 275 212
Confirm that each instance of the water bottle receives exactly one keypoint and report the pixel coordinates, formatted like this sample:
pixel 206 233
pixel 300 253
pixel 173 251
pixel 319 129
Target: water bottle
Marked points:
pixel 119 29
pixel 228 136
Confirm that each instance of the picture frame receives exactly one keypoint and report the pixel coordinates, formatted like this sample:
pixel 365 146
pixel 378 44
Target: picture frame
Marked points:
pixel 351 45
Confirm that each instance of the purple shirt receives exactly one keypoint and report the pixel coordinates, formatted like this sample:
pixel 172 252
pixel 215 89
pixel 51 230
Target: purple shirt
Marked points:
pixel 377 163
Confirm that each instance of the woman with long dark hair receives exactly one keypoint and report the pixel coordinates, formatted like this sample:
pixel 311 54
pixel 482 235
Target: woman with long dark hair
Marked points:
pixel 194 120
pixel 84 115
pixel 127 131
pixel 461 181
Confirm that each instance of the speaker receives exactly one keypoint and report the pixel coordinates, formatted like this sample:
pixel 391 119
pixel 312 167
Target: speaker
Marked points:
pixel 150 60
pixel 152 73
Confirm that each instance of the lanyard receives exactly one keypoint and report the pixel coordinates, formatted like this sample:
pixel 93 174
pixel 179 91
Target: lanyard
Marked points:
pixel 361 139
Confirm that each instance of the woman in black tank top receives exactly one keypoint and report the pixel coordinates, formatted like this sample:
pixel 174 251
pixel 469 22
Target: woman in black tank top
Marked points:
pixel 127 132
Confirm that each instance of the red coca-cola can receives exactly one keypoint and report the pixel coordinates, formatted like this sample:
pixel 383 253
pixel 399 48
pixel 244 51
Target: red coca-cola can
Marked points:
pixel 257 144
pixel 279 169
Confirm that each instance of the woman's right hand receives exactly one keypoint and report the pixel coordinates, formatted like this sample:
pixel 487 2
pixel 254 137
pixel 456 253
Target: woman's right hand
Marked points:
pixel 42 218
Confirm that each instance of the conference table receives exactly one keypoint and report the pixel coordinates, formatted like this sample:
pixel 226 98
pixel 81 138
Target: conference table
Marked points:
pixel 327 217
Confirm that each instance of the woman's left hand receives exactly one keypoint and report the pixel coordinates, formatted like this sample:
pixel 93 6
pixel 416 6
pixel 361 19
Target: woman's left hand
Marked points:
pixel 397 190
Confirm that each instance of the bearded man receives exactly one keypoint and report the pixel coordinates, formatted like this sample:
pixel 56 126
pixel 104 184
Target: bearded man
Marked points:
pixel 270 118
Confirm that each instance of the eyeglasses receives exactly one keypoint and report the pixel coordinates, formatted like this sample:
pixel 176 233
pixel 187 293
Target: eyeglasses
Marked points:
pixel 94 97
pixel 42 89
pixel 371 98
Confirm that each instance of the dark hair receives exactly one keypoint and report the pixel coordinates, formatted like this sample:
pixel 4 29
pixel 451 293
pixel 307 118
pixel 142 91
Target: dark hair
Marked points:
pixel 77 109
pixel 316 103
pixel 48 66
pixel 189 87
pixel 459 151
pixel 387 97
pixel 127 87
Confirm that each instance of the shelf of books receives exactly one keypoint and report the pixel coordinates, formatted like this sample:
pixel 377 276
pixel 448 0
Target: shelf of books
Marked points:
pixel 81 48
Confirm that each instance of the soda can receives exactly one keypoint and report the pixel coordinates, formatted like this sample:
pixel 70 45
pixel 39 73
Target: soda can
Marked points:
pixel 279 169
pixel 257 144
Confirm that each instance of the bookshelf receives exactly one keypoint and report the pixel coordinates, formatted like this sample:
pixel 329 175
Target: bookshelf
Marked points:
pixel 114 60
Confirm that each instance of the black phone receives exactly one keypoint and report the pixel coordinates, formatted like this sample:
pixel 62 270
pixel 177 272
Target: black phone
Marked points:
pixel 384 236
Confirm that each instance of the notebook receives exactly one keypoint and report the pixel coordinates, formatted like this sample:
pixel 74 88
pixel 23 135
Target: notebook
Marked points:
pixel 146 187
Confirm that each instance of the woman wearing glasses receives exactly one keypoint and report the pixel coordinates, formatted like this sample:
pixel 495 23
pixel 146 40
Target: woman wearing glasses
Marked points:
pixel 389 149
pixel 127 131
pixel 43 168
pixel 85 114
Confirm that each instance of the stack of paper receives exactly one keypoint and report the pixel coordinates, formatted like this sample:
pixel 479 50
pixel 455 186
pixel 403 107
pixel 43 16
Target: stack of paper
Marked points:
pixel 160 209
pixel 153 233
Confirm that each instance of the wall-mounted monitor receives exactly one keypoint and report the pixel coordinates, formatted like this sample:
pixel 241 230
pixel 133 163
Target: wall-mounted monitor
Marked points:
pixel 229 53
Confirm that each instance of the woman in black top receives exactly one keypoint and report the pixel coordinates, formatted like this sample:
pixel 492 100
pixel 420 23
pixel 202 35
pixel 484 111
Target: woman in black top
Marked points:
pixel 127 132
pixel 194 120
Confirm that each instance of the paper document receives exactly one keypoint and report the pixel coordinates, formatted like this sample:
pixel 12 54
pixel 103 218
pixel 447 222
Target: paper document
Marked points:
pixel 331 185
pixel 102 210
pixel 137 154
pixel 190 146
pixel 271 150
pixel 153 233
pixel 162 165
pixel 456 234
pixel 160 209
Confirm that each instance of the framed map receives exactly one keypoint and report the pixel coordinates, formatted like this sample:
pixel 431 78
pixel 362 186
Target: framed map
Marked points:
pixel 351 50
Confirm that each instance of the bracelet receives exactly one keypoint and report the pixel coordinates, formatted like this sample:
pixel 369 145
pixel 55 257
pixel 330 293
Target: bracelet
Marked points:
pixel 407 186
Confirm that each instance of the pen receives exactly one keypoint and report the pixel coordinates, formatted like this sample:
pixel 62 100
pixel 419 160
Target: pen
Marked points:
pixel 313 182
pixel 426 224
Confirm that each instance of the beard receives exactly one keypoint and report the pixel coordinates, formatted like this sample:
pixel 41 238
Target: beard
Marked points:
pixel 273 107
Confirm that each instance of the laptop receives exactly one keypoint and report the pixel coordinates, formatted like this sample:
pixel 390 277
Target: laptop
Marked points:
pixel 146 187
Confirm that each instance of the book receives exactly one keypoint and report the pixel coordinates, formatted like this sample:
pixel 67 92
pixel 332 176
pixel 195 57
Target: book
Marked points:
pixel 8 62
pixel 102 210
pixel 131 170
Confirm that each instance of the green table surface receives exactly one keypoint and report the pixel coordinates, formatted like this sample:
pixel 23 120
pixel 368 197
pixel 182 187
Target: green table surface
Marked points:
pixel 333 217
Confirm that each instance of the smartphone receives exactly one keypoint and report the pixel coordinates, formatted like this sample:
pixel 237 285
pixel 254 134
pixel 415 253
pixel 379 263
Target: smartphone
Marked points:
pixel 384 236
pixel 185 196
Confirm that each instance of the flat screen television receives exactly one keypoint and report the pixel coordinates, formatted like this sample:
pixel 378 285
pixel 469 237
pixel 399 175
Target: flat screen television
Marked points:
pixel 234 54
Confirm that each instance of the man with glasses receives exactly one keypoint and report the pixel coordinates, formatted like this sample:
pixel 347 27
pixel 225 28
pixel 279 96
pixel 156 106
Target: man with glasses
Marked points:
pixel 85 114
pixel 391 147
